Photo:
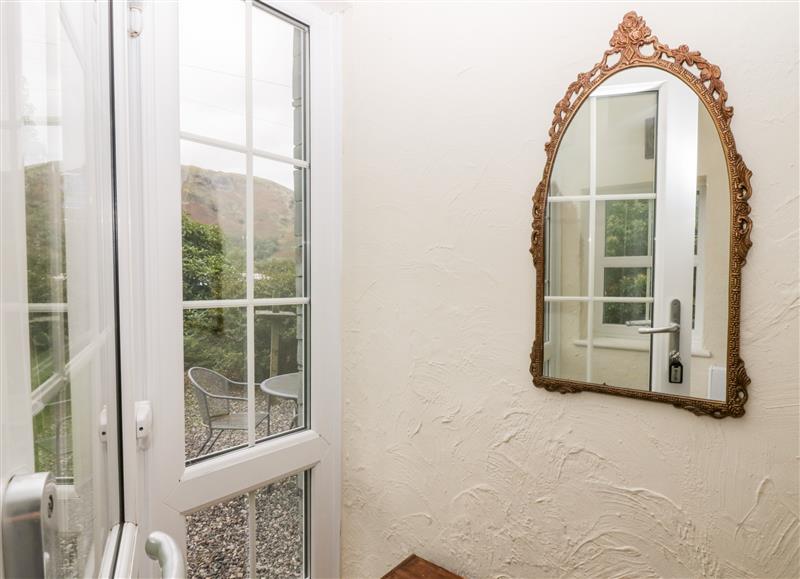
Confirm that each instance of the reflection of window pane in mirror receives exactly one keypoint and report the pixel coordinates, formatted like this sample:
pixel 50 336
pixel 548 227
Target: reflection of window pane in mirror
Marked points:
pixel 623 260
pixel 628 228
pixel 624 367
pixel 567 240
pixel 565 356
pixel 625 282
pixel 570 174
pixel 625 163
pixel 710 271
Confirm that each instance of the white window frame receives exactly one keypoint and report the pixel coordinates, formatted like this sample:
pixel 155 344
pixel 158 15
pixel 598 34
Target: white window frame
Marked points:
pixel 698 347
pixel 160 490
pixel 602 262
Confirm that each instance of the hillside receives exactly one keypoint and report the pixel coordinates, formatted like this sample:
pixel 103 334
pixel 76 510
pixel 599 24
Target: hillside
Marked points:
pixel 218 198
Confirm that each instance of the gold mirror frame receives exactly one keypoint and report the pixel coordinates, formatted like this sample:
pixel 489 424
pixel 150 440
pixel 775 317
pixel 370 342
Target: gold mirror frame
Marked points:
pixel 630 37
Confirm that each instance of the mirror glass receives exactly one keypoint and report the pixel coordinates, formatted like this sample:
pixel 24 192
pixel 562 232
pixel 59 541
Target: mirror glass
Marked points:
pixel 637 241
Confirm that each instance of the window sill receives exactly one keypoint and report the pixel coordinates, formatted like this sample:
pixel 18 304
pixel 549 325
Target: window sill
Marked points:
pixel 634 345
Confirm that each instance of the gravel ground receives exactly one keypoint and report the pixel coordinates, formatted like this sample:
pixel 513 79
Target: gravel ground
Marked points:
pixel 217 537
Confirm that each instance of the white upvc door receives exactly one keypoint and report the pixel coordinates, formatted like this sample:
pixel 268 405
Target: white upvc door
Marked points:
pixel 58 334
pixel 675 230
pixel 671 244
pixel 230 250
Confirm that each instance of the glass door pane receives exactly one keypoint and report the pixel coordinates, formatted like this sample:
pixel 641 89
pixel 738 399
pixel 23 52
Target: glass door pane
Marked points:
pixel 257 534
pixel 56 159
pixel 244 212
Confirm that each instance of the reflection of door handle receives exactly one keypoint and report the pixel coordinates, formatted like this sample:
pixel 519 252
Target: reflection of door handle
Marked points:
pixel 674 366
pixel 632 323
pixel 670 329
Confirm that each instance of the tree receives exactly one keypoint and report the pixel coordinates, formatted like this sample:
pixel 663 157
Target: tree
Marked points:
pixel 216 338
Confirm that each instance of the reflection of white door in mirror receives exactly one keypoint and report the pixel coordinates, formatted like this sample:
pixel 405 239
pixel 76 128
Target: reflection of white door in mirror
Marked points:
pixel 638 186
pixel 675 188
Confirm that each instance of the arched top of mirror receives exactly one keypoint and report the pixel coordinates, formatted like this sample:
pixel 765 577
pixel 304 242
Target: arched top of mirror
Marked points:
pixel 619 107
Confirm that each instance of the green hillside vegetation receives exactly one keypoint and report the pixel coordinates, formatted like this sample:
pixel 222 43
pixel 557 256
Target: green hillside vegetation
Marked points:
pixel 214 266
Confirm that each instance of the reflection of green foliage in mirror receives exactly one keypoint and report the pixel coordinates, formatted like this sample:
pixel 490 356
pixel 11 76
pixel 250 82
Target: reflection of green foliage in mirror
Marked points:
pixel 621 313
pixel 629 282
pixel 215 338
pixel 627 227
pixel 624 282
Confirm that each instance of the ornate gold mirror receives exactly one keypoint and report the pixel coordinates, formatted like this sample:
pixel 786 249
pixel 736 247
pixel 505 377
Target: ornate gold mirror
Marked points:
pixel 640 230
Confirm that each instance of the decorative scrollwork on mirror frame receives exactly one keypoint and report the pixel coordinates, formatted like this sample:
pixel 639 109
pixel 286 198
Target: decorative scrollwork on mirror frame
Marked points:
pixel 632 45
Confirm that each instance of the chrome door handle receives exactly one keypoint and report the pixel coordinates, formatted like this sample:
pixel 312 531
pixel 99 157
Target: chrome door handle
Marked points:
pixel 164 549
pixel 670 329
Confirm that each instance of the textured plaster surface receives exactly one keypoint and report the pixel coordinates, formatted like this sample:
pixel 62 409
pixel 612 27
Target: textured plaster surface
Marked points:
pixel 449 451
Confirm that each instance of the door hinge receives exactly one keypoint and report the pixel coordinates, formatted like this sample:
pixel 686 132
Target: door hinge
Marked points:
pixel 135 8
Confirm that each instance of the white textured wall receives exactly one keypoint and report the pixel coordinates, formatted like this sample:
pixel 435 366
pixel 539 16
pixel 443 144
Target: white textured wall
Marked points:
pixel 449 451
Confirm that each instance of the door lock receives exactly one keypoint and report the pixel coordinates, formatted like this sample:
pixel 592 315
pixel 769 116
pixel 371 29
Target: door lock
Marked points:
pixel 675 366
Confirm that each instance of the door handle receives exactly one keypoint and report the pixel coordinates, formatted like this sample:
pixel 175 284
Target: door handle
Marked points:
pixel 670 329
pixel 674 365
pixel 164 549
pixel 29 526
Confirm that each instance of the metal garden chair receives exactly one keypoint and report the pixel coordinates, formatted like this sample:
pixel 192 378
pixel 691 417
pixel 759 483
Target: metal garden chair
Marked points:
pixel 215 393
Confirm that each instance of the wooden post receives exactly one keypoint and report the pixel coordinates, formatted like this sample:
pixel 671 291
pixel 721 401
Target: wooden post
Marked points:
pixel 274 345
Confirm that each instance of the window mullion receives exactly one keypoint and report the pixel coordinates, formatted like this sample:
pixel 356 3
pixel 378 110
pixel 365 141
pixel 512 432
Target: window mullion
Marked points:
pixel 249 218
pixel 228 146
pixel 593 245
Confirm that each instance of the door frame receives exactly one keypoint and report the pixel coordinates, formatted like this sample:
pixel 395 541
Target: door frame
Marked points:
pixel 159 489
